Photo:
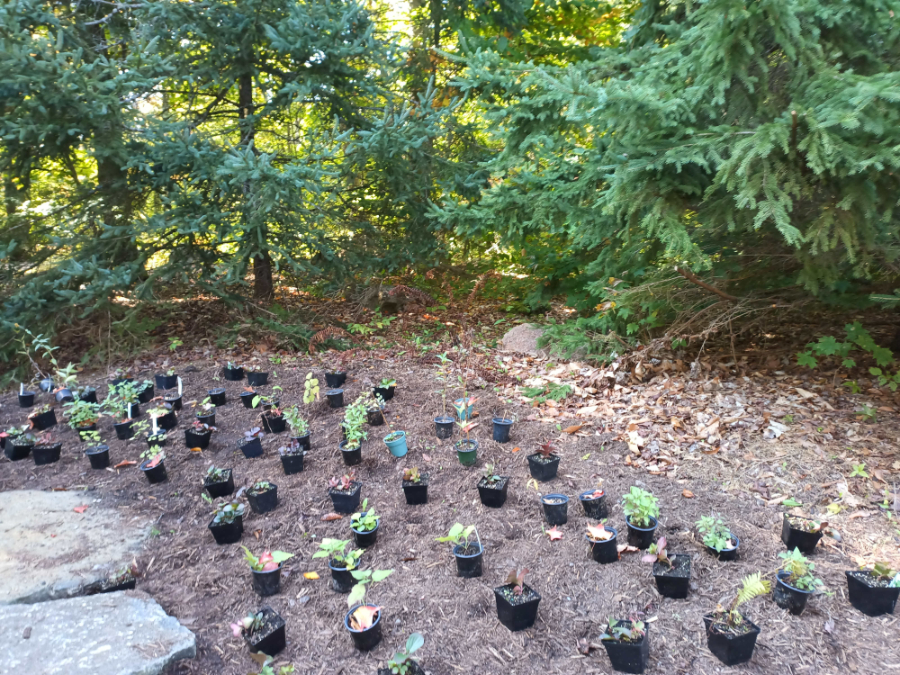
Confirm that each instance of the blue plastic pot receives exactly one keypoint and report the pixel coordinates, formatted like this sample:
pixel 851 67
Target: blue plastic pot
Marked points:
pixel 398 446
pixel 463 413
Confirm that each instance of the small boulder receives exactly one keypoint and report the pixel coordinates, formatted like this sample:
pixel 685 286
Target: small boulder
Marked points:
pixel 523 339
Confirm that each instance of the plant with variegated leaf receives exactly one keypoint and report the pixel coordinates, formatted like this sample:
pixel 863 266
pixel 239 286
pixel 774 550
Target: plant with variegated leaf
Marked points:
pixel 333 550
pixel 516 579
pixel 657 554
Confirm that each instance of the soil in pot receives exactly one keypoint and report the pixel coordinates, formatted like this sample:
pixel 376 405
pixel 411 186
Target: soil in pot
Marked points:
pixel 351 456
pixel 467 452
pixel 468 560
pixel 493 495
pixel 267 583
pixel 727 554
pixel 416 492
pixel 264 501
pixel 341 578
pixel 124 430
pixel 517 612
pixel 18 449
pixel 155 474
pixel 675 581
pixel 502 427
pixel 335 380
pixel 274 423
pixel 292 462
pixel 227 533
pixel 335 398
pixel 98 456
pixel 626 656
pixel 543 468
pixel 193 439
pixel 789 597
pixel 221 488
pixel 269 639
pixel 46 453
pixel 594 504
pixel 795 533
pixel 443 427
pixel 556 508
pixel 870 594
pixel 233 374
pixel 252 448
pixel 166 381
pixel 44 420
pixel 605 551
pixel 641 537
pixel 345 502
pixel 364 640
pixel 174 401
pixel 257 379
pixel 216 396
pixel 731 645
pixel 26 399
pixel 366 538
pixel 386 393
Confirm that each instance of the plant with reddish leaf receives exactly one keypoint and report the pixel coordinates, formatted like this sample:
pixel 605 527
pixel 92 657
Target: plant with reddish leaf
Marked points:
pixel 254 432
pixel 412 475
pixel 154 456
pixel 267 561
pixel 201 428
pixel 547 450
pixel 554 533
pixel 364 616
pixel 598 533
pixel 465 428
pixel 596 494
pixel 657 553
pixel 516 579
pixel 342 483
pixel 248 625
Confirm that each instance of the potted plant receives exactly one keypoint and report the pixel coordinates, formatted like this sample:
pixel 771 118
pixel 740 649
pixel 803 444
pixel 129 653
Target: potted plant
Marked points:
pixel 469 555
pixel 300 432
pixel 466 448
pixel 263 496
pixel 292 457
pixel 415 486
pixel 544 464
pixel 396 443
pixel 167 380
pixel 673 575
pixel 256 377
pixel 363 621
pixel 351 446
pixel 207 412
pixel 517 603
pixel 19 445
pixel 403 663
pixel 641 512
pixel 492 488
pixel 730 635
pixel 364 524
pixel 227 524
pixel 46 450
pixel 157 439
pixel 218 482
pixel 335 398
pixel 266 570
pixel 11 433
pixel 273 420
pixel 594 504
pixel 464 407
pixel 717 537
pixel 120 376
pixel 153 466
pixel 233 372
pixel 124 427
pixel 263 631
pixel 144 391
pixel 335 376
pixel 122 401
pixel 874 592
pixel 502 427
pixel 249 396
pixel 173 399
pixel 86 393
pixel 164 416
pixel 801 533
pixel 795 582
pixel 443 423
pixel 603 543
pixel 341 564
pixel 66 380
pixel 97 451
pixel 43 418
pixel 251 443
pixel 627 644
pixel 374 410
pixel 344 492
pixel 556 508
pixel 82 416
pixel 385 389
pixel 198 435
pixel 26 398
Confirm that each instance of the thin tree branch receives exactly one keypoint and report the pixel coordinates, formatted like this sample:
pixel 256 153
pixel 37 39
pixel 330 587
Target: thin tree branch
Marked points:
pixel 687 274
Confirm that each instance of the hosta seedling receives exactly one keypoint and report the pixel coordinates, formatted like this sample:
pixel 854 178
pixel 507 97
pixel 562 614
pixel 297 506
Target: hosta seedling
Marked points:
pixel 387 383
pixel 267 561
pixel 458 535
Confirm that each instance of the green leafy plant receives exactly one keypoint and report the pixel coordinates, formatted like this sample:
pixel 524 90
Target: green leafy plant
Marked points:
pixel 622 630
pixel 153 455
pixel 295 421
pixel 657 553
pixel 412 475
pixel 857 339
pixel 881 570
pixel 333 550
pixel 174 343
pixel 401 663
pixel 715 532
pixel 753 586
pixel 387 383
pixel 859 470
pixel 259 487
pixel 547 392
pixel 342 483
pixel 248 625
pixel 267 561
pixel 216 475
pixel 800 570
pixel 81 413
pixel 364 520
pixel 226 512
pixel 489 476
pixel 393 436
pixel 458 535
pixel 310 389
pixel 363 579
pixel 265 663
pixel 640 507
pixel 354 418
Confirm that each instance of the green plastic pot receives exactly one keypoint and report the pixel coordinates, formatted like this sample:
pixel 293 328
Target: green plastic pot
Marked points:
pixel 469 456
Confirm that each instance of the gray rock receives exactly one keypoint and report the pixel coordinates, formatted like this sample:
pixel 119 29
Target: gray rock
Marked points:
pixel 523 338
pixel 48 551
pixel 125 633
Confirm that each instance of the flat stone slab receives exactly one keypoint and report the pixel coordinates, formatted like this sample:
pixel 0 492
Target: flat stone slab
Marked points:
pixel 124 633
pixel 48 551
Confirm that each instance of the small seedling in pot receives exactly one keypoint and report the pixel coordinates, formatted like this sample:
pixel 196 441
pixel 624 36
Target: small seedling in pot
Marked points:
pixel 412 475
pixel 226 512
pixel 259 487
pixel 157 412
pixel 811 526
pixel 799 571
pixel 640 507
pixel 342 483
pixel 387 383
pixel 91 438
pixel 546 452
pixel 516 579
pixel 728 620
pixel 358 594
pixel 465 428
pixel 657 553
pixel 248 625
pixel 201 428
pixel 489 476
pixel 82 414
pixel 393 436
pixel 153 456
pixel 333 550
pixel 882 572
pixel 365 520
pixel 310 389
pixel 715 532
pixel 206 407
pixel 617 630
pixel 402 661
pixel 216 475
pixel 295 421
pixel 267 561
pixel 255 432
pixel 598 533
pixel 458 535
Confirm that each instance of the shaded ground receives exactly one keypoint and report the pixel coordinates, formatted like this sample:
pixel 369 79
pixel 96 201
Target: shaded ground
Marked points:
pixel 729 466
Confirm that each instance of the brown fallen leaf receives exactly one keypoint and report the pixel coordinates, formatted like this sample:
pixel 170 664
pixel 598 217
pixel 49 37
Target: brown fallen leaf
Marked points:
pixel 124 463
pixel 196 449
pixel 627 548
pixel 328 517
pixel 310 575
pixel 80 509
pixel 687 493
pixel 572 429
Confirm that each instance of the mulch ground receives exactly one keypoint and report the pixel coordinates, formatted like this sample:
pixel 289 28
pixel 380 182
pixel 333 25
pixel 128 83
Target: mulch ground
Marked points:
pixel 207 586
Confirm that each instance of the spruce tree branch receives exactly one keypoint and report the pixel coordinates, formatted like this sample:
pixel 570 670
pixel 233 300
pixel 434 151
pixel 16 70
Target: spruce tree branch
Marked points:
pixel 687 274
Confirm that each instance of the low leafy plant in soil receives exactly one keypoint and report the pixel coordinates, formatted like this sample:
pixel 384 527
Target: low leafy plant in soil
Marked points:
pixel 215 474
pixel 623 630
pixel 459 536
pixel 412 475
pixel 403 663
pixel 267 561
pixel 657 554
pixel 365 519
pixel 225 513
pixel 81 414
pixel 799 571
pixel 715 532
pixel 333 551
pixel 641 508
pixel 393 436
pixel 364 578
pixel 299 426
pixel 345 483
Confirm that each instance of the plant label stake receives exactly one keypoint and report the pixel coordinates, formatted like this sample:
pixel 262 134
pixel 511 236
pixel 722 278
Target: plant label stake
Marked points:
pixel 155 429
pixel 21 387
pixel 179 385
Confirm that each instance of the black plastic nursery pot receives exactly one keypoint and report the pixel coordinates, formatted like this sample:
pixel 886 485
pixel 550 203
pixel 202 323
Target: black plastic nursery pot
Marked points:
pixel 341 578
pixel 155 474
pixel 159 441
pixel 216 396
pixel 98 456
pixel 367 538
pixel 641 537
pixel 303 441
pixel 595 508
pixel 292 463
pixel 146 394
pixel 267 583
pixel 501 429
pixel 263 502
pixel 605 552
pixel 269 639
pixel 207 418
pixel 364 640
pixel 168 421
pixel 443 427
pixel 46 454
pixel 233 374
pixel 45 420
pixel 46 385
pixel 252 448
pixel 493 495
pixel 83 430
pixel 351 457
pixel 16 449
pixel 541 469
pixel 798 538
pixel 274 424
pixel 869 594
pixel 629 657
pixel 174 401
pixel 124 430
pixel 197 440
pixel 416 493
pixel 467 452
pixel 727 554
pixel 374 417
pixel 386 393
pixel 335 380
pixel 26 400
pixel 89 395
pixel 730 648
pixel 227 533
pixel 221 488
pixel 166 381
pixel 346 502
pixel 673 582
pixel 789 597
pixel 247 398
pixel 134 411
pixel 335 398
pixel 64 396
pixel 257 379
pixel 468 560
pixel 517 612
pixel 556 508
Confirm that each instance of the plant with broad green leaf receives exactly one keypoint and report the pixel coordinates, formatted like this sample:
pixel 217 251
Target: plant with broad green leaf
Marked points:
pixel 267 561
pixel 657 554
pixel 295 421
pixel 216 475
pixel 310 389
pixel 640 507
pixel 715 532
pixel 265 663
pixel 458 535
pixel 333 550
pixel 225 513
pixel 623 630
pixel 364 520
pixel 412 475
pixel 81 414
pixel 364 578
pixel 402 661
pixel 249 624
pixel 489 476
pixel 387 383
pixel 857 338
pixel 800 571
